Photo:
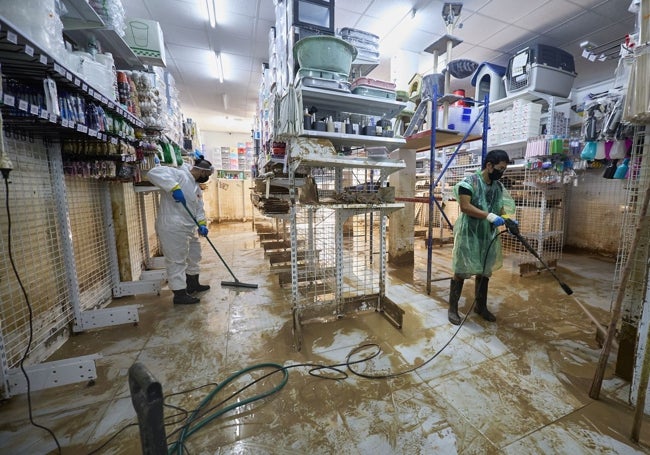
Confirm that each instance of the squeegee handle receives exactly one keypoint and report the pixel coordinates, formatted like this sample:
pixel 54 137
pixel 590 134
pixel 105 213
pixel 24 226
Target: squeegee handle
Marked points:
pixel 210 242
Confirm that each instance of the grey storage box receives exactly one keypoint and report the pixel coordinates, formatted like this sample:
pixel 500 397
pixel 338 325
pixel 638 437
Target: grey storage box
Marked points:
pixel 541 68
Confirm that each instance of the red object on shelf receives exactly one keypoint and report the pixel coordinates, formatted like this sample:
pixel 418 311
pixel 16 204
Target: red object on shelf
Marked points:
pixel 460 92
pixel 374 83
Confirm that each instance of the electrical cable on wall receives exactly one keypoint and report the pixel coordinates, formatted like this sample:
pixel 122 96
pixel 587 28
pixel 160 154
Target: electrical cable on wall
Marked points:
pixel 5 167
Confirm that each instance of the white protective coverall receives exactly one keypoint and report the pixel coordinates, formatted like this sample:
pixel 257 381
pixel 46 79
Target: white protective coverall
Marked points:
pixel 176 229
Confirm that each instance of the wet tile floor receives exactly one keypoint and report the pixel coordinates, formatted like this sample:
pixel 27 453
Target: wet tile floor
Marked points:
pixel 517 386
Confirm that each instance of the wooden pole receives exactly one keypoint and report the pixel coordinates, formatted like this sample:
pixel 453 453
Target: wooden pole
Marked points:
pixel 641 395
pixel 641 226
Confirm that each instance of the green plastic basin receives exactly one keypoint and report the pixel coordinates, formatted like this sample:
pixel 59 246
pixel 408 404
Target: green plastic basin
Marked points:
pixel 326 53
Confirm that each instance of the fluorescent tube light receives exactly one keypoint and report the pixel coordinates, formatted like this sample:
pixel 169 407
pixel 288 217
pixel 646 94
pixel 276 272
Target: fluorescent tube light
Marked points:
pixel 219 66
pixel 212 12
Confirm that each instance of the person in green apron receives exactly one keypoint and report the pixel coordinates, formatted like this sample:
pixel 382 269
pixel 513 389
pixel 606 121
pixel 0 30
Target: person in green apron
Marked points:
pixel 484 203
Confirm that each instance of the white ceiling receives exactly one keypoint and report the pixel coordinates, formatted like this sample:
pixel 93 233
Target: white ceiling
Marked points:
pixel 492 30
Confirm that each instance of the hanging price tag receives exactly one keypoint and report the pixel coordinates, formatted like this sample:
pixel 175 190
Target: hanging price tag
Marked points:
pixel 113 141
pixel 34 109
pixel 68 76
pixel 92 132
pixel 59 69
pixel 104 99
pixel 91 92
pixel 52 118
pixel 12 38
pixel 84 87
pixel 64 122
pixel 77 82
pixel 23 105
pixel 43 59
pixel 29 50
pixel 82 128
pixel 9 100
pixel 44 114
pixel 111 105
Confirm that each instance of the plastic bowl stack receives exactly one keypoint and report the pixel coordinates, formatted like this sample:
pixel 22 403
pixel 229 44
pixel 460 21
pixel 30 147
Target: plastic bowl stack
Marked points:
pixel 325 53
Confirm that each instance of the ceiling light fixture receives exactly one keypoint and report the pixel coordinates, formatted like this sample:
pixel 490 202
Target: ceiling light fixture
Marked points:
pixel 219 62
pixel 212 12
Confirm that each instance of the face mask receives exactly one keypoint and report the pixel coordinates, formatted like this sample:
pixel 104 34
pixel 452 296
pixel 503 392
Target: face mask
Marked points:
pixel 495 174
pixel 202 179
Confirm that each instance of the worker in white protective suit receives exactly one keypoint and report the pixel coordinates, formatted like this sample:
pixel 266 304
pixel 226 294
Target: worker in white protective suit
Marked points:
pixel 176 228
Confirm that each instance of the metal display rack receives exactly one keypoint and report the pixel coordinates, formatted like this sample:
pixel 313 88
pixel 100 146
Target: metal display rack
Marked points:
pixel 78 310
pixel 338 239
pixel 541 215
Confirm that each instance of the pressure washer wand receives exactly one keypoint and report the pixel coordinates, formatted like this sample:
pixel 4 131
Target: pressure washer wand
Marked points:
pixel 513 228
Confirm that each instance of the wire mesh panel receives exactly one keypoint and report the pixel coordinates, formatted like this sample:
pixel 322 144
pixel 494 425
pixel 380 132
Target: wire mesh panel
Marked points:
pixel 315 259
pixel 329 278
pixel 540 211
pixel 338 239
pixel 86 214
pixel 638 180
pixel 30 231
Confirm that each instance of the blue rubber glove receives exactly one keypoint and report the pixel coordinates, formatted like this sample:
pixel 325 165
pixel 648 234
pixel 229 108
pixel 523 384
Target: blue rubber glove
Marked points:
pixel 178 195
pixel 495 219
pixel 203 229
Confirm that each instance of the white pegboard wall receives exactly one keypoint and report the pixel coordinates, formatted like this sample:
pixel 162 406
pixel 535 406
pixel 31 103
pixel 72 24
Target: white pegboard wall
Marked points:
pixel 134 226
pixel 37 254
pixel 151 206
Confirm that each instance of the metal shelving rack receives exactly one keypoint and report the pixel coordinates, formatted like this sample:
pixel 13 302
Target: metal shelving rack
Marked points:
pixel 541 216
pixel 338 249
pixel 338 243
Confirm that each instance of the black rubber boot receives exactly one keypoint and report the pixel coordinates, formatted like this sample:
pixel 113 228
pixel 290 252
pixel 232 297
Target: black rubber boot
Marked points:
pixel 455 289
pixel 480 294
pixel 193 285
pixel 181 297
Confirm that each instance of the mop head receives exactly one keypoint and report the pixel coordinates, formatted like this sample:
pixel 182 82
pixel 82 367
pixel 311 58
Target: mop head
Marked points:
pixel 239 284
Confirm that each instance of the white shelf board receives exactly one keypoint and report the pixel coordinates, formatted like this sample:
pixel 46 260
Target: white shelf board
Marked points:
pixel 356 140
pixel 505 103
pixel 349 162
pixel 80 15
pixel 331 100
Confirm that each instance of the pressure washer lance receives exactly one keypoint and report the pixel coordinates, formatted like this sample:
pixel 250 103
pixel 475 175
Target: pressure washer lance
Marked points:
pixel 513 228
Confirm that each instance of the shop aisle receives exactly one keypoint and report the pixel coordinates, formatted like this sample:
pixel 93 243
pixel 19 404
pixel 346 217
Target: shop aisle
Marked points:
pixel 519 386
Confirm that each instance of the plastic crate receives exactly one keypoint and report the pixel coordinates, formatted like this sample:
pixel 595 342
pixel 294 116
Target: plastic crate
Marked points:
pixel 372 83
pixel 374 92
pixel 541 68
pixel 542 79
pixel 360 35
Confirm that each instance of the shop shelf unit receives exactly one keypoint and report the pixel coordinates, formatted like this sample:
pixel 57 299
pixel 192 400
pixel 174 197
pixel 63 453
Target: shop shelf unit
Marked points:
pixel 540 210
pixel 69 306
pixel 338 236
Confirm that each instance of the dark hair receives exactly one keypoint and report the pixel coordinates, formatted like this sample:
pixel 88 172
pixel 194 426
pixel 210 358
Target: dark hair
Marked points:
pixel 495 157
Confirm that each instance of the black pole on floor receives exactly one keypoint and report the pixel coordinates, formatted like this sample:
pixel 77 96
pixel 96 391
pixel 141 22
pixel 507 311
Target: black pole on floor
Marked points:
pixel 147 398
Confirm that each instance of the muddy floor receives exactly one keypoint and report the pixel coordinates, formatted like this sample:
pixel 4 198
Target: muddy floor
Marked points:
pixel 229 364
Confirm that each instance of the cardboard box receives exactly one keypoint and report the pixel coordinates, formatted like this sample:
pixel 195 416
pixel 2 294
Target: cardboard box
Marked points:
pixel 145 38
